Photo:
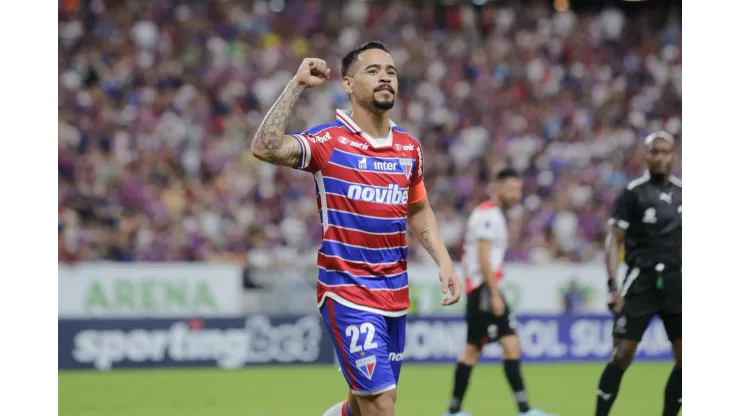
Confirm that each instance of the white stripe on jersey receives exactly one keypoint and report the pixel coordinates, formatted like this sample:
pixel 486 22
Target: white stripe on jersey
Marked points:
pixel 486 222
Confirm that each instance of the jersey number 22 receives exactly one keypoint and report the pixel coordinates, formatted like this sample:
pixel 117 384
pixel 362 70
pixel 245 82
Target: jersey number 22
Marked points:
pixel 354 333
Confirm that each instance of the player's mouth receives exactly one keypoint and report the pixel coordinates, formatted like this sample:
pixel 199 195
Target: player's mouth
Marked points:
pixel 385 88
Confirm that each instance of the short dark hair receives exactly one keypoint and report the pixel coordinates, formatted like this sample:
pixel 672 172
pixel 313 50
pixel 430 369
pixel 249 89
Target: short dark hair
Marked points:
pixel 352 55
pixel 507 173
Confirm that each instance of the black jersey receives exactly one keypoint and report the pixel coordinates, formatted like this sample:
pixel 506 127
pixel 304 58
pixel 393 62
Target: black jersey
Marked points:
pixel 650 214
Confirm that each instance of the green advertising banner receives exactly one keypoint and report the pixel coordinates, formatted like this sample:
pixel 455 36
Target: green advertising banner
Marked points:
pixel 146 290
pixel 426 298
pixel 527 288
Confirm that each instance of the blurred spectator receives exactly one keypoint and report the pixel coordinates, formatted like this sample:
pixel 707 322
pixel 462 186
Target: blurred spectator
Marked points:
pixel 158 102
pixel 574 299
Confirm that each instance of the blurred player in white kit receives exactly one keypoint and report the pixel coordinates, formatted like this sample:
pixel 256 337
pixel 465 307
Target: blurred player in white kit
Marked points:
pixel 488 316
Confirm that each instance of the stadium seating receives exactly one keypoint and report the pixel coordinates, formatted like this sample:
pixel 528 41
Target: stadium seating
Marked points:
pixel 158 105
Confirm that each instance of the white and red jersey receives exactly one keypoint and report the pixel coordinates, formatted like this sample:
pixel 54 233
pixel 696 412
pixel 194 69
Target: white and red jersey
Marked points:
pixel 364 187
pixel 487 222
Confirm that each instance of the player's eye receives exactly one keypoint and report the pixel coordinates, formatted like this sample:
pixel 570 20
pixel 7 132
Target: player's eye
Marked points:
pixel 372 71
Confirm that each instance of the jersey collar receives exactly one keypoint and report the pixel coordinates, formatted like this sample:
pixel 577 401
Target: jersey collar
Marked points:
pixel 343 117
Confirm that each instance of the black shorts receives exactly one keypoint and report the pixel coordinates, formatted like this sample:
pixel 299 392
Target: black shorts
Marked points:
pixel 483 326
pixel 643 300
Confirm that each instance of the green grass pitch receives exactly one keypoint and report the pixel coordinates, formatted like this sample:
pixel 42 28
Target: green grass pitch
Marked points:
pixel 566 389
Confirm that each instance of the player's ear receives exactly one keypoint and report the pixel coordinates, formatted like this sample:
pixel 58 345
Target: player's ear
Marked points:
pixel 347 84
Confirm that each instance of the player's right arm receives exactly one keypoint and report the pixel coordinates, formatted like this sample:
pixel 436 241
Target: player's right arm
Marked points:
pixel 484 258
pixel 622 215
pixel 486 231
pixel 270 144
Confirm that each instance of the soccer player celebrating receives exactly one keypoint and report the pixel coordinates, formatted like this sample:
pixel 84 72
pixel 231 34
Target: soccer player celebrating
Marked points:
pixel 369 177
pixel 488 316
pixel 646 219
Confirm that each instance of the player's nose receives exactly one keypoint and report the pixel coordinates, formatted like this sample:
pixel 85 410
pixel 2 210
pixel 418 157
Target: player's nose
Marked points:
pixel 385 77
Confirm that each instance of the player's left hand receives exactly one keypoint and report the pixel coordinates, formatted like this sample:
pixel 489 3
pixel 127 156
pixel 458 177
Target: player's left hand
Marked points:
pixel 451 284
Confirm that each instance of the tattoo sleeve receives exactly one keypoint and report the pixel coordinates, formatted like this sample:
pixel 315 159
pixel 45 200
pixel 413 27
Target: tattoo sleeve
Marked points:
pixel 425 236
pixel 270 143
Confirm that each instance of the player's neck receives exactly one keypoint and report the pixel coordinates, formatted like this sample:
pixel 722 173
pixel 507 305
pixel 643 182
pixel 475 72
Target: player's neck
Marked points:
pixel 659 178
pixel 377 125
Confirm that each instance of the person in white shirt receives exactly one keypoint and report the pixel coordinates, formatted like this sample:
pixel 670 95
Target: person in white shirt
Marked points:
pixel 488 316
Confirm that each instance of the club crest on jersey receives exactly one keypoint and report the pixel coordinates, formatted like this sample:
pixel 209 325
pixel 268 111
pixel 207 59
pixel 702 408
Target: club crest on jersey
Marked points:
pixel 408 166
pixel 367 366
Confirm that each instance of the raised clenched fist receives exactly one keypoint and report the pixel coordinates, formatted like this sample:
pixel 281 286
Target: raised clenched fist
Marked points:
pixel 312 72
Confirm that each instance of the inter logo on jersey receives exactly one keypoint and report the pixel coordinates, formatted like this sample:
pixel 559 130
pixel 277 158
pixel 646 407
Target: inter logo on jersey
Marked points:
pixel 384 166
pixel 408 165
pixel 367 366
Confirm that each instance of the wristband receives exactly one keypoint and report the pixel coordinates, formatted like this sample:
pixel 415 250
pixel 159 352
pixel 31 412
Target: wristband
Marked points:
pixel 611 284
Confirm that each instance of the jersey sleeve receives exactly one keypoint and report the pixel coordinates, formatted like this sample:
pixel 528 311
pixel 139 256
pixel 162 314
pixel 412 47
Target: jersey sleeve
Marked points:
pixel 491 227
pixel 417 176
pixel 417 191
pixel 316 148
pixel 488 227
pixel 623 209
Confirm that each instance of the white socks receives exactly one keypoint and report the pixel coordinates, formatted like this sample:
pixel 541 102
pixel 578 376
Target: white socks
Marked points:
pixel 336 410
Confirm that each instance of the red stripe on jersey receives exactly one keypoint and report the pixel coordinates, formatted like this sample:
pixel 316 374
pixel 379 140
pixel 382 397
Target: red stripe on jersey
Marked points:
pixel 345 408
pixel 380 180
pixel 359 177
pixel 386 300
pixel 365 208
pixel 361 269
pixel 358 238
pixel 347 121
pixel 486 205
pixel 338 340
pixel 497 275
pixel 469 287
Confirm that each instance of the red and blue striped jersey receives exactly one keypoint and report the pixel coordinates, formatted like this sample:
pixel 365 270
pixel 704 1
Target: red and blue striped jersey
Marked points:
pixel 364 186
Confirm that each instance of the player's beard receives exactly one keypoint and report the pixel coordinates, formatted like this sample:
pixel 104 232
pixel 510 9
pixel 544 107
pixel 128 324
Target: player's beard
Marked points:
pixel 658 177
pixel 658 172
pixel 506 205
pixel 383 105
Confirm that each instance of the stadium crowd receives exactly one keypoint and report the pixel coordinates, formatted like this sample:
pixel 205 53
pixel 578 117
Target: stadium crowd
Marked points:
pixel 158 102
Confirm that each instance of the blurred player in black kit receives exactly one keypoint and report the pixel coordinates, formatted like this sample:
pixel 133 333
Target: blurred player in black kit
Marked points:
pixel 646 219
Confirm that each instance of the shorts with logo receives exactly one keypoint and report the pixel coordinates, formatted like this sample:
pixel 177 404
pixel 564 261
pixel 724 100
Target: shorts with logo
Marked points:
pixel 643 299
pixel 369 346
pixel 483 326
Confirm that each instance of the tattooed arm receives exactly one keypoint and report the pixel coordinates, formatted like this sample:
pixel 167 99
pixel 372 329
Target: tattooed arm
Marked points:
pixel 270 144
pixel 423 224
